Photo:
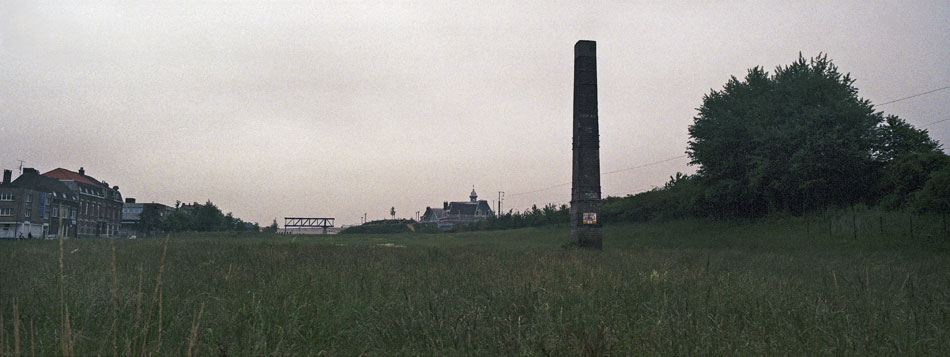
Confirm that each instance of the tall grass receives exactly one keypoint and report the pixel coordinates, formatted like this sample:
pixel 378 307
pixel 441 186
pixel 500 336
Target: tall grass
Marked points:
pixel 777 286
pixel 66 336
pixel 115 303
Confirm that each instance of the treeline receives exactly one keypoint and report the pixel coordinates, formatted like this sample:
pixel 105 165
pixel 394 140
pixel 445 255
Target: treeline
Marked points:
pixel 533 217
pixel 390 226
pixel 194 217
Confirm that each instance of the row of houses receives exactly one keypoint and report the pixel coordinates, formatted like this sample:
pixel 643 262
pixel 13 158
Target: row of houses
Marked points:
pixel 64 203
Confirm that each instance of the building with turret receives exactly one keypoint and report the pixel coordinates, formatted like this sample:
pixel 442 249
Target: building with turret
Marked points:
pixel 456 212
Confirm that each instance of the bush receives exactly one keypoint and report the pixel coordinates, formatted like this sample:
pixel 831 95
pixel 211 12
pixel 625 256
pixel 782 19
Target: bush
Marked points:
pixel 935 195
pixel 391 226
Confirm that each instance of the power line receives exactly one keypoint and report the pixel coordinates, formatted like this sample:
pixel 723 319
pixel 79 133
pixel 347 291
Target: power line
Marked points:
pixel 682 156
pixel 603 174
pixel 644 165
pixel 913 96
pixel 543 189
pixel 936 122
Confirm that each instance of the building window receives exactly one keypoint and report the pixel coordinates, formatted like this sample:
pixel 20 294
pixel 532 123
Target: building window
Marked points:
pixel 6 196
pixel 26 213
pixel 29 197
pixel 54 212
pixel 6 212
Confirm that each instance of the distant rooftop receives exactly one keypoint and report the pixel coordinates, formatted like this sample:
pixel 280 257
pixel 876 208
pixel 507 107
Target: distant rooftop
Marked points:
pixel 64 174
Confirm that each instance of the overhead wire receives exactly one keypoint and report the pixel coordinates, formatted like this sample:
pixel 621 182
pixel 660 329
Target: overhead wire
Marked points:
pixel 936 122
pixel 913 96
pixel 603 174
pixel 682 156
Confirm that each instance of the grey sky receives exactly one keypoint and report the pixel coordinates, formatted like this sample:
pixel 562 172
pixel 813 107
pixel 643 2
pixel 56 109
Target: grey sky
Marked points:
pixel 274 109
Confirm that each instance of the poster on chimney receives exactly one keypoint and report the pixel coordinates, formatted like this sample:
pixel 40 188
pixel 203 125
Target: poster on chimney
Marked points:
pixel 590 218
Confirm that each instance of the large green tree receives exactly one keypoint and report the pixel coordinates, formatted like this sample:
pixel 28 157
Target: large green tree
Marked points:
pixel 150 220
pixel 895 139
pixel 907 174
pixel 209 218
pixel 179 220
pixel 795 140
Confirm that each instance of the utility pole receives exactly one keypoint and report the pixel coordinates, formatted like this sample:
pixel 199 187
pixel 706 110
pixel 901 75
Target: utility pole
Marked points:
pixel 501 196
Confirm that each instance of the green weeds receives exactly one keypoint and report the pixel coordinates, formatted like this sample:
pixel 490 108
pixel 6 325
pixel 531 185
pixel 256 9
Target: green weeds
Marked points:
pixel 683 287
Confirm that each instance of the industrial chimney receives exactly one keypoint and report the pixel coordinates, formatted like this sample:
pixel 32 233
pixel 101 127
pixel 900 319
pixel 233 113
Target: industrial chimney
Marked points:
pixel 586 229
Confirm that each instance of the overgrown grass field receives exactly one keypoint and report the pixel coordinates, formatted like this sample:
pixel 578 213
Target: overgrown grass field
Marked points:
pixel 781 286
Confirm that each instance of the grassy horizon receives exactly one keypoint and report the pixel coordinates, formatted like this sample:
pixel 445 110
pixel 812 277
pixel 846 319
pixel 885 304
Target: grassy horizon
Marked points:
pixel 779 286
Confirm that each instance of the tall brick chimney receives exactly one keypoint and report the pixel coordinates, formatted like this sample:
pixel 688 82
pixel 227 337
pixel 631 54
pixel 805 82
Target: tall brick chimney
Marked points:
pixel 586 229
pixel 7 175
pixel 82 171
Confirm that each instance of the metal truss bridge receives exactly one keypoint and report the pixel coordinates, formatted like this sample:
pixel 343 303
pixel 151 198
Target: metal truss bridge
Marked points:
pixel 308 222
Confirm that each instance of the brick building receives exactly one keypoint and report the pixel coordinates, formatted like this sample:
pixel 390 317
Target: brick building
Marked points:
pixel 100 206
pixel 36 206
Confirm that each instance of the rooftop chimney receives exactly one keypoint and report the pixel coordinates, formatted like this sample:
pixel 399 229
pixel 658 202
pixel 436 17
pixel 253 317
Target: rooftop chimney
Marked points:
pixel 82 171
pixel 445 205
pixel 30 170
pixel 6 176
pixel 129 200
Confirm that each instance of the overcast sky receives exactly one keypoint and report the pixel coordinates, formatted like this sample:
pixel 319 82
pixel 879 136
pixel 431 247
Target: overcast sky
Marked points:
pixel 336 108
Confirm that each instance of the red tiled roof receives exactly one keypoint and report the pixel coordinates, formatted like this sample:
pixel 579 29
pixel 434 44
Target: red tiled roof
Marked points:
pixel 64 174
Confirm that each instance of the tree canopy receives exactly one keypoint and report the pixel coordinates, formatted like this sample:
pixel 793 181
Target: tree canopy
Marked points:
pixel 203 218
pixel 795 140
